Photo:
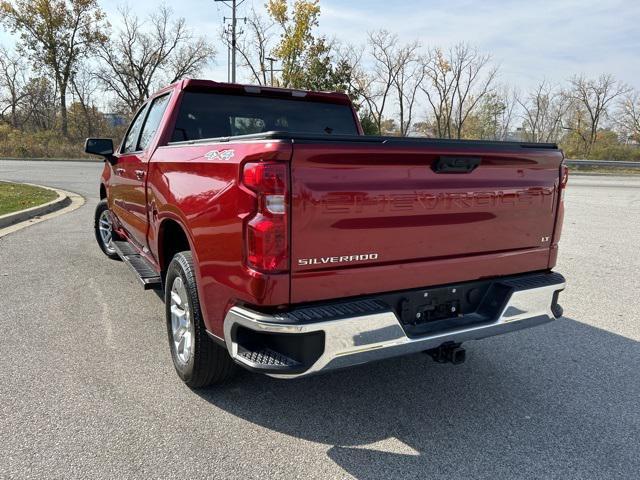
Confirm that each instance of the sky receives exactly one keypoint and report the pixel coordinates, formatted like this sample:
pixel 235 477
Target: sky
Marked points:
pixel 530 40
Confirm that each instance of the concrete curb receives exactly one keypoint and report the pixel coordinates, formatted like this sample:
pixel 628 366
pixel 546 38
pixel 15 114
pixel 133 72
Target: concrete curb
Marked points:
pixel 59 203
pixel 16 159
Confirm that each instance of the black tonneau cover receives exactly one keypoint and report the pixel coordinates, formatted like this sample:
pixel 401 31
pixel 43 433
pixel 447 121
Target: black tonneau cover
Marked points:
pixel 395 141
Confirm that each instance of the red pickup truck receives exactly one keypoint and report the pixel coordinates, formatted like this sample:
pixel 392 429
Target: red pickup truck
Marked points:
pixel 289 243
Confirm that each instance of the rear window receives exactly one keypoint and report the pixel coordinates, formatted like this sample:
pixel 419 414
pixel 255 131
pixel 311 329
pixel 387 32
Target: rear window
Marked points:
pixel 210 115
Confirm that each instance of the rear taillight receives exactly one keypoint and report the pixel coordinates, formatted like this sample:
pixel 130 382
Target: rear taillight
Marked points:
pixel 267 230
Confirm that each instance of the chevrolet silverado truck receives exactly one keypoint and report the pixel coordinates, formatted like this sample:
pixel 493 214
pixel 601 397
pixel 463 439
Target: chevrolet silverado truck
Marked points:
pixel 286 241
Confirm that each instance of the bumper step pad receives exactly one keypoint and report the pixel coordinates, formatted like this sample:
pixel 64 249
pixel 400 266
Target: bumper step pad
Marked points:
pixel 145 272
pixel 268 358
pixel 331 311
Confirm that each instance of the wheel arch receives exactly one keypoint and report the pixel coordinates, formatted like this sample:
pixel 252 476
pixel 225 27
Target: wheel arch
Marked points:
pixel 172 238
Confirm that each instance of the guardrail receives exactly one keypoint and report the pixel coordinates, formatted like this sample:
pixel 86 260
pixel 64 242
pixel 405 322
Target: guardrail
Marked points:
pixel 601 163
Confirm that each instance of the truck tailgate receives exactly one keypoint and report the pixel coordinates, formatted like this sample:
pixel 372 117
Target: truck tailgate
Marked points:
pixel 375 217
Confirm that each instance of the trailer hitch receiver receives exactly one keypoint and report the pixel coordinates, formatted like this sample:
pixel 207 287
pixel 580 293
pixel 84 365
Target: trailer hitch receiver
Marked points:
pixel 448 353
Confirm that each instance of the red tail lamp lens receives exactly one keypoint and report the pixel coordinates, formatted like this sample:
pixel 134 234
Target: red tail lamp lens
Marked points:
pixel 267 231
pixel 266 177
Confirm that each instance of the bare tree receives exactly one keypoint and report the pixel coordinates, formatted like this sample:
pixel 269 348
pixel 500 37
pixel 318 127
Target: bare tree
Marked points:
pixel 376 87
pixel 509 98
pixel 410 73
pixel 397 73
pixel 85 86
pixel 39 106
pixel 497 112
pixel 439 91
pixel 628 118
pixel 360 81
pixel 12 83
pixel 457 82
pixel 593 98
pixel 141 57
pixel 255 46
pixel 543 111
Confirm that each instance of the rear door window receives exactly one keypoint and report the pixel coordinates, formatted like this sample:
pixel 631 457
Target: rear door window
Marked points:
pixel 152 122
pixel 131 140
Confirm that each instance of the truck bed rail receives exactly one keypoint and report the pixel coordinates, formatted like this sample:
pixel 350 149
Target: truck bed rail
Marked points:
pixel 366 139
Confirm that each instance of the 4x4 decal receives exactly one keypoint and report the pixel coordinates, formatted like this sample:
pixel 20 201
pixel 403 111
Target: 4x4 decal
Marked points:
pixel 220 154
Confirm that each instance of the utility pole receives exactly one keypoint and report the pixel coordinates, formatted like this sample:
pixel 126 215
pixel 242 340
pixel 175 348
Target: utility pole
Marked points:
pixel 233 4
pixel 271 69
pixel 271 60
pixel 233 42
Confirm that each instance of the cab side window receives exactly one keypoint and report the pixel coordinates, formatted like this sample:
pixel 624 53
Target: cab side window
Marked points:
pixel 158 106
pixel 131 140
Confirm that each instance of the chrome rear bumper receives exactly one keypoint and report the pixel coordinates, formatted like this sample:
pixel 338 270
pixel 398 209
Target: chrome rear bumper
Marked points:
pixel 363 338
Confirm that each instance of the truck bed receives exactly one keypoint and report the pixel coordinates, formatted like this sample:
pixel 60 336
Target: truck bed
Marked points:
pixel 369 214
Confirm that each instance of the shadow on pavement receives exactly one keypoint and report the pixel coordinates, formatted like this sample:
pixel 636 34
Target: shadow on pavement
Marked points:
pixel 556 401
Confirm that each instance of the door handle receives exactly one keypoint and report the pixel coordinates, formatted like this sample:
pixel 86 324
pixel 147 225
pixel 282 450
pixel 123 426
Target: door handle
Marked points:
pixel 139 174
pixel 119 171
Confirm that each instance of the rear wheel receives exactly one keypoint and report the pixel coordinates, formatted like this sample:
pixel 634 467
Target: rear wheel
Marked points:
pixel 104 230
pixel 198 360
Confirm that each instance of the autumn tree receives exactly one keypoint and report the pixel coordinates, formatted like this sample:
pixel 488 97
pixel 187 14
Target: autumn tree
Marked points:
pixel 285 40
pixel 142 56
pixel 296 23
pixel 493 117
pixel 57 34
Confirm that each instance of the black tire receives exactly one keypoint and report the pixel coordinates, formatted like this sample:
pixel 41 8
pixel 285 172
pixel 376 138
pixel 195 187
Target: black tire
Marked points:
pixel 208 363
pixel 106 249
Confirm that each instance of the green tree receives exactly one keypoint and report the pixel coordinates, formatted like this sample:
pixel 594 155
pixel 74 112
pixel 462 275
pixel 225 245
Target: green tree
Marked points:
pixel 57 34
pixel 369 126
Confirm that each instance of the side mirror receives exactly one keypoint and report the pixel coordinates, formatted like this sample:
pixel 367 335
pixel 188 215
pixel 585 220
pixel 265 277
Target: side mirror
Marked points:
pixel 99 146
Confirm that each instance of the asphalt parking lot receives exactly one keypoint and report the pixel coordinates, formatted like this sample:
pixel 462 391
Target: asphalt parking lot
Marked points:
pixel 88 390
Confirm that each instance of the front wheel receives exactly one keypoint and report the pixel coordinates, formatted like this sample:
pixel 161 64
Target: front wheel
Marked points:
pixel 198 360
pixel 104 230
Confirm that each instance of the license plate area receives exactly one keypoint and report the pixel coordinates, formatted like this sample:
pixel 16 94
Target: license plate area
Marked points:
pixel 452 307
